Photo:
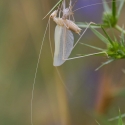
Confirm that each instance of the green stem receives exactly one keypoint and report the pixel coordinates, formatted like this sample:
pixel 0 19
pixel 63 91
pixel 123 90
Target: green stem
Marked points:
pixel 114 9
pixel 119 29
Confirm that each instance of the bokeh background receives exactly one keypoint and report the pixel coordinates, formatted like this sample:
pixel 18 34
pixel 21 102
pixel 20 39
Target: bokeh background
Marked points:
pixel 83 93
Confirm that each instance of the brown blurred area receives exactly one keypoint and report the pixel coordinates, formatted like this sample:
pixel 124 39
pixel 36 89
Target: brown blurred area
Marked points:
pixel 89 91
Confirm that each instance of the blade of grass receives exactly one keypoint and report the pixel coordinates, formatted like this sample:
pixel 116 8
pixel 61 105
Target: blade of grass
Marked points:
pixel 85 25
pixel 106 6
pixel 53 8
pixel 105 63
pixel 99 35
pixel 109 39
pixel 97 48
pixel 120 7
pixel 120 119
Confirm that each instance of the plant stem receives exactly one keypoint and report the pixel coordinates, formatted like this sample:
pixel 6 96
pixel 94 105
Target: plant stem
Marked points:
pixel 114 9
pixel 119 29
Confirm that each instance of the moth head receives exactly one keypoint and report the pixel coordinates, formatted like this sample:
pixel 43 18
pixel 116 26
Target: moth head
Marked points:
pixel 54 14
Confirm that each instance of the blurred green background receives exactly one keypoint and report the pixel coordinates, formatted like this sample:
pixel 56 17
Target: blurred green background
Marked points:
pixel 89 91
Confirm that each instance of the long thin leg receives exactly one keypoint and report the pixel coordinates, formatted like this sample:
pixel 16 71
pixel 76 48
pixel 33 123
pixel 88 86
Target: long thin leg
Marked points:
pixel 83 33
pixel 38 61
pixel 70 9
pixel 73 18
pixel 74 3
pixel 59 9
pixel 70 5
pixel 87 55
pixel 77 43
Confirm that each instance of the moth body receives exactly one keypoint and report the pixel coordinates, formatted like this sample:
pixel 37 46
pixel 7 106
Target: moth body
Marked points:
pixel 65 22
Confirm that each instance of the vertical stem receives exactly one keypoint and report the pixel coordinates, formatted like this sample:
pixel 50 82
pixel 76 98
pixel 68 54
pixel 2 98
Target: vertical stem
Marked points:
pixel 114 9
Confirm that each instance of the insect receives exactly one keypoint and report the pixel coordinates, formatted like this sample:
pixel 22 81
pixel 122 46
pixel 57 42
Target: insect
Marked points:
pixel 64 38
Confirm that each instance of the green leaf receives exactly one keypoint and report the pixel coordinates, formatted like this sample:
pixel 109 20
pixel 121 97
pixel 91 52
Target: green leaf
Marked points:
pixel 53 8
pixel 85 25
pixel 99 35
pixel 120 119
pixel 110 40
pixel 106 6
pixel 105 63
pixel 120 7
pixel 92 47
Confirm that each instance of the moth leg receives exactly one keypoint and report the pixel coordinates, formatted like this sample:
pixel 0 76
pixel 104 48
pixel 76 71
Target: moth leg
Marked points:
pixel 77 43
pixel 83 33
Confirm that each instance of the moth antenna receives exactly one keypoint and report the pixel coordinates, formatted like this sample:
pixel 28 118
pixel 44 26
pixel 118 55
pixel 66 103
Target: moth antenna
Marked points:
pixel 74 3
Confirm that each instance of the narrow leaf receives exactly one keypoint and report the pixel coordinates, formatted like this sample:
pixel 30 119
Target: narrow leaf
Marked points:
pixel 120 7
pixel 120 119
pixel 110 40
pixel 97 48
pixel 53 8
pixel 85 25
pixel 105 63
pixel 100 36
pixel 106 6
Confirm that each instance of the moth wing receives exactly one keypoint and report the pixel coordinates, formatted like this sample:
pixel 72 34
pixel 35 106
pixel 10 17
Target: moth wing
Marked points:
pixel 64 41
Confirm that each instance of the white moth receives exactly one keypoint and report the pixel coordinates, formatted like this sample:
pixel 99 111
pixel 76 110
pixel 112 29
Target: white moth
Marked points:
pixel 64 39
